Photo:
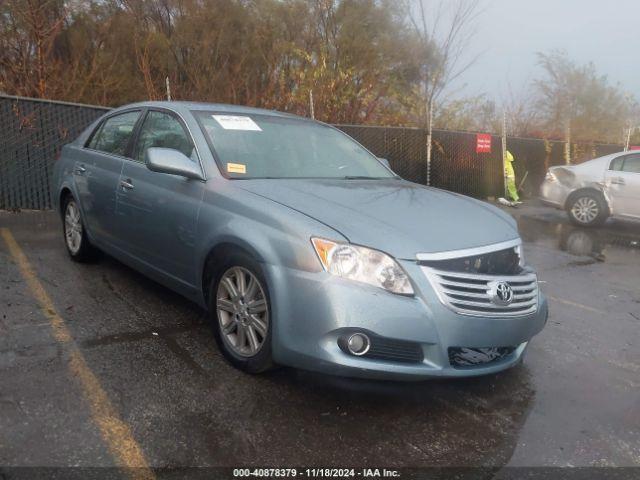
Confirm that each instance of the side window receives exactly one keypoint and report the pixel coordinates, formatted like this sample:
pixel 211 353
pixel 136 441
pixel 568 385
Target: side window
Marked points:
pixel 631 164
pixel 114 134
pixel 616 164
pixel 161 129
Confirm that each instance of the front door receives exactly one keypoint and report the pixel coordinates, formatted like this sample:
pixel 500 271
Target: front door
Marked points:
pixel 623 185
pixel 157 212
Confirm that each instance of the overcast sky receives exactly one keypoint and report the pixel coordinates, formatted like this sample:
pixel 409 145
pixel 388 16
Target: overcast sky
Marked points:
pixel 510 32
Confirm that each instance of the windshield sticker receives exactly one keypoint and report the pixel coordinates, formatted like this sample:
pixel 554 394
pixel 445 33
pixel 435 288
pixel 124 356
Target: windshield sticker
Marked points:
pixel 232 122
pixel 236 168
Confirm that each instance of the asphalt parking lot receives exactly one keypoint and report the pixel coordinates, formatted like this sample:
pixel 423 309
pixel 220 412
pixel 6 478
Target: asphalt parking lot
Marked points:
pixel 100 367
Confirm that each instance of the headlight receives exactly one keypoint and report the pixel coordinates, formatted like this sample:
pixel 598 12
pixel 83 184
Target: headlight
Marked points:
pixel 550 177
pixel 363 265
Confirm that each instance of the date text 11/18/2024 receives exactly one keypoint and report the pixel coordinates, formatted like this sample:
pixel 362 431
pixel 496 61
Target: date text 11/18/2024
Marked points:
pixel 315 472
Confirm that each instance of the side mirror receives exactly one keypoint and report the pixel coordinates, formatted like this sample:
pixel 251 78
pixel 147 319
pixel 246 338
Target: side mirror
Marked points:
pixel 173 162
pixel 385 162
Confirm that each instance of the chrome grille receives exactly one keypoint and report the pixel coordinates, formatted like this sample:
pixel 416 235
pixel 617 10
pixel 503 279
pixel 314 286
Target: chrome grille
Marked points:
pixel 471 294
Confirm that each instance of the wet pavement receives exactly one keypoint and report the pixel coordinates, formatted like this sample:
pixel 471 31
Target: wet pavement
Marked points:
pixel 575 401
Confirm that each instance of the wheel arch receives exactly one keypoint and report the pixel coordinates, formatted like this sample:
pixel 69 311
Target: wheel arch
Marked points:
pixel 68 189
pixel 218 251
pixel 64 193
pixel 591 189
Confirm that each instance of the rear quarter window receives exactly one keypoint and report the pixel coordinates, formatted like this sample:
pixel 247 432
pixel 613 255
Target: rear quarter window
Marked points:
pixel 616 164
pixel 94 136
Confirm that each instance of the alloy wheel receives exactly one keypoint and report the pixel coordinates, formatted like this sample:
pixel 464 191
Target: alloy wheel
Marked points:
pixel 73 227
pixel 585 210
pixel 242 310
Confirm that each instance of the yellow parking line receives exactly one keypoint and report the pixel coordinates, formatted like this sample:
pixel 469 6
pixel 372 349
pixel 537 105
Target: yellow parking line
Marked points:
pixel 115 432
pixel 577 305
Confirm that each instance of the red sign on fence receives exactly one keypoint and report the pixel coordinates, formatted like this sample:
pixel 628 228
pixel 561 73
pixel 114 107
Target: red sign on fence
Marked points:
pixel 483 143
pixel 634 147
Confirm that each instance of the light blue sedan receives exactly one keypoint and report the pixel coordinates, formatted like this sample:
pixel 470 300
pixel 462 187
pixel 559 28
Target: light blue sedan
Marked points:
pixel 306 249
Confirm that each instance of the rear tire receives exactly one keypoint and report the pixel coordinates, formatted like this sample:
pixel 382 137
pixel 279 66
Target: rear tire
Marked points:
pixel 587 209
pixel 78 245
pixel 240 313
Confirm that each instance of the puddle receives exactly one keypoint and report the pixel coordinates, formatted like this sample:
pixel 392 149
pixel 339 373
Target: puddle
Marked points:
pixel 598 244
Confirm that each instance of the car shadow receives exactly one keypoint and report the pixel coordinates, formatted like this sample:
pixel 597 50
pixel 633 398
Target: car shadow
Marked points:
pixel 579 241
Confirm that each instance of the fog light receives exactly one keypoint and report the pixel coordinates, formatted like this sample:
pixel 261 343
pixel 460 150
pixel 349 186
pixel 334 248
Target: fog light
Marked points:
pixel 358 344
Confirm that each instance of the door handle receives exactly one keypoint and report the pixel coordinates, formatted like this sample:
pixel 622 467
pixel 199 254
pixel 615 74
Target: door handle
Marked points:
pixel 617 181
pixel 80 169
pixel 126 184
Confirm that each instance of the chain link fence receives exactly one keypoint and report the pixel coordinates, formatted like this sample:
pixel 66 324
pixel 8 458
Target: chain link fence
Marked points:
pixel 455 164
pixel 34 131
pixel 32 134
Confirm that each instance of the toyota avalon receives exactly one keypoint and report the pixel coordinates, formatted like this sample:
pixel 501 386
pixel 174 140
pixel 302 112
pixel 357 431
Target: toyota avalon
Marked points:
pixel 305 248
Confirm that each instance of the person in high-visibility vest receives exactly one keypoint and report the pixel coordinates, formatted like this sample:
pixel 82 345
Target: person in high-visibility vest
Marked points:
pixel 510 173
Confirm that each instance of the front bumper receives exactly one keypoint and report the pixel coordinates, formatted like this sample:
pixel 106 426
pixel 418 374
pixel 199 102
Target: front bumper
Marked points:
pixel 312 310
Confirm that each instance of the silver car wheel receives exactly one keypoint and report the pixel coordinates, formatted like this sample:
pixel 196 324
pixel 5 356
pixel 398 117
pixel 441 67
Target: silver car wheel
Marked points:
pixel 243 313
pixel 73 227
pixel 585 210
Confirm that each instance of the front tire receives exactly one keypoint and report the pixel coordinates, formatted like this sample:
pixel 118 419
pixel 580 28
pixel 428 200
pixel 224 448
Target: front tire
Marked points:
pixel 75 234
pixel 240 311
pixel 587 209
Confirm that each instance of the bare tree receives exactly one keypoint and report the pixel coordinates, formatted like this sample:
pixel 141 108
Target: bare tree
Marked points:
pixel 579 99
pixel 523 118
pixel 445 29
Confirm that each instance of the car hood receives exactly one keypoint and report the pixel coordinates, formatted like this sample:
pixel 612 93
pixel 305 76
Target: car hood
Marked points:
pixel 395 216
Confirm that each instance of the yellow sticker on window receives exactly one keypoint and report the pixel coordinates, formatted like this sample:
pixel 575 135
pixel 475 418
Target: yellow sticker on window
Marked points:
pixel 236 168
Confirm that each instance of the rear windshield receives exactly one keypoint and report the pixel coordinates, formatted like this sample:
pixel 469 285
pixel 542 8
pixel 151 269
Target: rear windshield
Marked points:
pixel 264 146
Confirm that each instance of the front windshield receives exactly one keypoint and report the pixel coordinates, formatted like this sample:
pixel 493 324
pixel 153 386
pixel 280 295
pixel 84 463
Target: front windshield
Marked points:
pixel 265 146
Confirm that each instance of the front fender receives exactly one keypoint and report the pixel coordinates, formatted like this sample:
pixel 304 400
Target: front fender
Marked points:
pixel 272 233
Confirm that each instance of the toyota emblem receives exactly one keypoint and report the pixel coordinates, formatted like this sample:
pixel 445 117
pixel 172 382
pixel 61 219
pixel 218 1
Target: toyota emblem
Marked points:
pixel 501 293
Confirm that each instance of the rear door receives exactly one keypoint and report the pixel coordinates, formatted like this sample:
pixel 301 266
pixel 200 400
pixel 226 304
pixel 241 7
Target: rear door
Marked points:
pixel 158 212
pixel 623 185
pixel 97 171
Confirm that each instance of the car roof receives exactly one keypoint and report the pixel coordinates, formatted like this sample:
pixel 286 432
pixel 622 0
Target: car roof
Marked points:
pixel 593 166
pixel 181 106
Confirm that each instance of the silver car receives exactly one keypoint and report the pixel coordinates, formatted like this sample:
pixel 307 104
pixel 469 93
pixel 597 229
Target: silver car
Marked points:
pixel 593 191
pixel 305 249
